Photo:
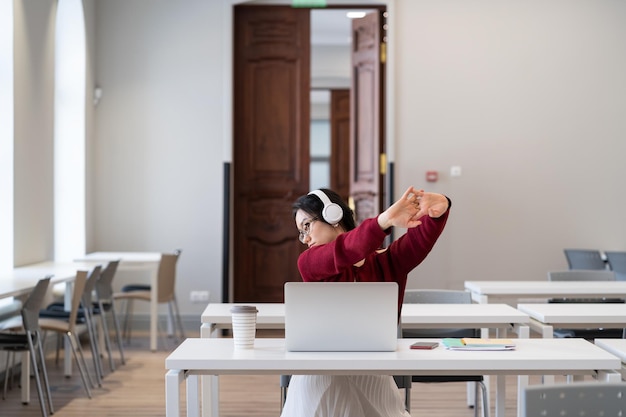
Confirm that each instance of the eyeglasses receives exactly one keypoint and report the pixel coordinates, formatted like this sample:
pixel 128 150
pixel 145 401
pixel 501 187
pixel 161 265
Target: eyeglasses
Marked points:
pixel 306 229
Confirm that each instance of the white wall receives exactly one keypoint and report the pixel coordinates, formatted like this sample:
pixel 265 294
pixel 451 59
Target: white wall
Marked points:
pixel 527 97
pixel 157 145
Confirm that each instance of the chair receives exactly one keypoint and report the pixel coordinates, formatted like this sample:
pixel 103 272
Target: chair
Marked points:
pixel 617 264
pixel 87 315
pixel 30 340
pixel 71 328
pixel 166 284
pixel 585 275
pixel 105 304
pixel 444 297
pixel 584 259
pixel 575 399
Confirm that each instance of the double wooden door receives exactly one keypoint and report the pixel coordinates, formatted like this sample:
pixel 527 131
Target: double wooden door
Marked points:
pixel 271 142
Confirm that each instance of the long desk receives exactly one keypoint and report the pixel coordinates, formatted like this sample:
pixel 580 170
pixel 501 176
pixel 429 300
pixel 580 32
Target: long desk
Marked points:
pixel 217 316
pixel 484 292
pixel 137 261
pixel 545 317
pixel 216 356
pixel 22 280
pixel 501 317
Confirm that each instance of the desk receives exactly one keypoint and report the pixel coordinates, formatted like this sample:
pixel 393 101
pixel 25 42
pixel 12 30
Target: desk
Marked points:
pixel 21 281
pixel 502 317
pixel 215 356
pixel 484 292
pixel 217 316
pixel 616 347
pixel 137 261
pixel 545 317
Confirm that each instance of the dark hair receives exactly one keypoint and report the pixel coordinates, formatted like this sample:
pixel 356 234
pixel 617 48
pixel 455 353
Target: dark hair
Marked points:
pixel 312 205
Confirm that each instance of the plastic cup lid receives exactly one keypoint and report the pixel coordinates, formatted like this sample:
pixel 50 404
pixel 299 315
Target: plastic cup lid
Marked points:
pixel 244 309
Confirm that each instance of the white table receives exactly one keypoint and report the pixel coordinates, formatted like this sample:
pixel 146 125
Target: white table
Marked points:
pixel 216 356
pixel 22 280
pixel 137 261
pixel 217 316
pixel 545 317
pixel 502 317
pixel 616 347
pixel 484 292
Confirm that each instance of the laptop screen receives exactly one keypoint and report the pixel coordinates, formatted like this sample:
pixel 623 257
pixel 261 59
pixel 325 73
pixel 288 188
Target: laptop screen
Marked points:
pixel 341 316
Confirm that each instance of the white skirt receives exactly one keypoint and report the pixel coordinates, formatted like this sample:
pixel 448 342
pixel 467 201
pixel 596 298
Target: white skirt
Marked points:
pixel 343 396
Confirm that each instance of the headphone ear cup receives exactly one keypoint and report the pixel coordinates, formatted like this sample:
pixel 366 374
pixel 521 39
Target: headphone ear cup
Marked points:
pixel 332 213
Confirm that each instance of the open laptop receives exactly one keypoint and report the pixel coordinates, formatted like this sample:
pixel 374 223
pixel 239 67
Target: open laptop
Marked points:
pixel 341 316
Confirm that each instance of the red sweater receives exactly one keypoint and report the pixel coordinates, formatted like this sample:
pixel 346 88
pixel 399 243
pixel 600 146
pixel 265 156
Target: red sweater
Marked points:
pixel 334 261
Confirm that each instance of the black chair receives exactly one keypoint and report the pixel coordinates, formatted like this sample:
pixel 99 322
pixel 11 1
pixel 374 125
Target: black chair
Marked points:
pixel 585 275
pixel 444 297
pixel 587 259
pixel 617 264
pixel 27 337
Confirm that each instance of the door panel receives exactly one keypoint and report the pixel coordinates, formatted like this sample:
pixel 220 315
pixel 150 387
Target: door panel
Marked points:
pixel 367 143
pixel 340 142
pixel 271 146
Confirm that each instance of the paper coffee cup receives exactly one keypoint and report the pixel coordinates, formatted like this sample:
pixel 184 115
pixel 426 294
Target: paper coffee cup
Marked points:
pixel 244 326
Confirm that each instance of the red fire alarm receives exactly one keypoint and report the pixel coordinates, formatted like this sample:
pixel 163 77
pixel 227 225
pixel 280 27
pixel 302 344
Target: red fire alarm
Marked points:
pixel 431 176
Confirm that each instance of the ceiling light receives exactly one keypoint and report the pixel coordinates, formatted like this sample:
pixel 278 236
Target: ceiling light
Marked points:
pixel 355 15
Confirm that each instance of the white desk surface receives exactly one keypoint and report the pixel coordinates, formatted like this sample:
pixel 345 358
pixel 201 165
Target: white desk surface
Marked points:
pixel 272 315
pixel 22 280
pixel 616 347
pixel 216 356
pixel 577 313
pixel 481 290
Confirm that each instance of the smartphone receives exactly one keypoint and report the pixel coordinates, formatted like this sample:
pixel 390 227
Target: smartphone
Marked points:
pixel 424 345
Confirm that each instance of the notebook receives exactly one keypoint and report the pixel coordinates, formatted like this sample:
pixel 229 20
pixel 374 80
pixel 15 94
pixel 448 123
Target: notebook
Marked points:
pixel 341 316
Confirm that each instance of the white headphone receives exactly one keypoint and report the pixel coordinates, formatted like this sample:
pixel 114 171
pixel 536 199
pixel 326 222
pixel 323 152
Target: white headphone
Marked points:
pixel 332 212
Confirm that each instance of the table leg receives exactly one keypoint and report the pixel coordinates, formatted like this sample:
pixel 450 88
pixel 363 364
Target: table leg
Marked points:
pixel 209 385
pixel 154 304
pixel 173 379
pixel 500 395
pixel 522 383
pixel 193 404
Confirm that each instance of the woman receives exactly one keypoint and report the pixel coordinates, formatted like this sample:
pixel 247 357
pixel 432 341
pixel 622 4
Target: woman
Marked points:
pixel 340 251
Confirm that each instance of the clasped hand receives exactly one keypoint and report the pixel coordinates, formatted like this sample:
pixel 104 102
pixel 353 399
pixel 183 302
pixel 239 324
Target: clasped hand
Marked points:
pixel 411 207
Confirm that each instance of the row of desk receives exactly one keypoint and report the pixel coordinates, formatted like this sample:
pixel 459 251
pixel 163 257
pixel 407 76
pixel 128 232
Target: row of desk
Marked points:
pixel 21 281
pixel 203 360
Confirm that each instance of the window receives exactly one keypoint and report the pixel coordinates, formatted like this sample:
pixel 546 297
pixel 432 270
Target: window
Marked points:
pixel 6 137
pixel 69 131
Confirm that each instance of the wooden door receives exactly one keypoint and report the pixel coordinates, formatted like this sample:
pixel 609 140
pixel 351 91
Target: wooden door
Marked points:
pixel 340 142
pixel 271 146
pixel 367 143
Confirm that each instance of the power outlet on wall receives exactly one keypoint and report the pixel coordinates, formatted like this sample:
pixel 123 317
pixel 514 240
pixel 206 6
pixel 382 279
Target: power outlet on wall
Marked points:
pixel 199 296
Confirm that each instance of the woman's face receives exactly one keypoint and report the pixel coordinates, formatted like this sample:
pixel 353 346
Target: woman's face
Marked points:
pixel 314 231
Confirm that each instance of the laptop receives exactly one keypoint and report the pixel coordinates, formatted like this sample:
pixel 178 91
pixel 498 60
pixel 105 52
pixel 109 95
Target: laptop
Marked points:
pixel 341 316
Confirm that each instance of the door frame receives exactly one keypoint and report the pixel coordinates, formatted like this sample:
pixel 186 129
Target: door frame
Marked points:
pixel 227 102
